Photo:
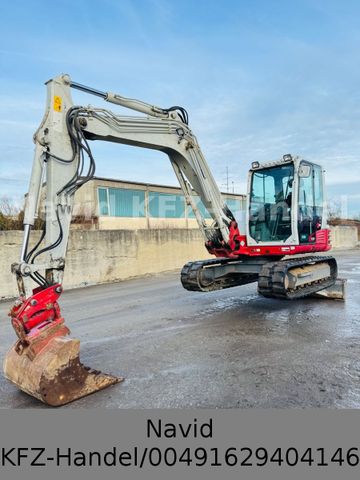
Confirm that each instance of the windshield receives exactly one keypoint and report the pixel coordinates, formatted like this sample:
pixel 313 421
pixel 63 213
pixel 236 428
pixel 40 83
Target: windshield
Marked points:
pixel 270 203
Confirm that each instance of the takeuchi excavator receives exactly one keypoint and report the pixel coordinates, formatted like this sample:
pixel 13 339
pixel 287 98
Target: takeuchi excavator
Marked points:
pixel 284 217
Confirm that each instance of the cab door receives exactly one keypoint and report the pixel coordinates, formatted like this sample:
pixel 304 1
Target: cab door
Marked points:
pixel 310 202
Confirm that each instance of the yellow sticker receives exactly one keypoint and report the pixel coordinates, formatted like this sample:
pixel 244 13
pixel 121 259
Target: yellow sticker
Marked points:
pixel 57 103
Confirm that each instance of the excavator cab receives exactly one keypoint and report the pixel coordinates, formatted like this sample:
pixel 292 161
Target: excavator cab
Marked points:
pixel 285 202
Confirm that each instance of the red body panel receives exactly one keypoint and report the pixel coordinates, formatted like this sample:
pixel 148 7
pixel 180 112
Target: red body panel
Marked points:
pixel 238 246
pixel 31 316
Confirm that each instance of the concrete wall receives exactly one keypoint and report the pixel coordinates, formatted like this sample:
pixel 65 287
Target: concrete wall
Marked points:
pixel 127 223
pixel 107 256
pixel 96 256
pixel 344 236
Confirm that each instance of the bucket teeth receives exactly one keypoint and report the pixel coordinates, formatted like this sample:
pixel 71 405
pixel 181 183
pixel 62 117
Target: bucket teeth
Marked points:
pixel 55 375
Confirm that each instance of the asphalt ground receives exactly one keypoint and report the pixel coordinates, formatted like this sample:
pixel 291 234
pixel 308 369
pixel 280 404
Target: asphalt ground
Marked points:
pixel 224 349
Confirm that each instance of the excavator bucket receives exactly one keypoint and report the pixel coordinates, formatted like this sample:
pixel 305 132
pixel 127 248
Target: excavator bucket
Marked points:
pixel 45 361
pixel 55 375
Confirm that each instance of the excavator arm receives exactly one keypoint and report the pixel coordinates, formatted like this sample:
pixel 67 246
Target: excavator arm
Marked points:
pixel 63 156
pixel 45 361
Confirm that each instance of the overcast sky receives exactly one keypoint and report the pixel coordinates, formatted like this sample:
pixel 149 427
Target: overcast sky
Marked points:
pixel 259 79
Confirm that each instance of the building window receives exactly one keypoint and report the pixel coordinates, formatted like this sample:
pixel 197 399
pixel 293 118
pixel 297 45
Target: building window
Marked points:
pixel 234 205
pixel 103 202
pixel 201 207
pixel 121 202
pixel 166 205
pixel 125 202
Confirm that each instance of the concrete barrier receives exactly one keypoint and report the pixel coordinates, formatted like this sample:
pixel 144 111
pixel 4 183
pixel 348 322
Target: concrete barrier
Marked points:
pixel 103 256
pixel 344 236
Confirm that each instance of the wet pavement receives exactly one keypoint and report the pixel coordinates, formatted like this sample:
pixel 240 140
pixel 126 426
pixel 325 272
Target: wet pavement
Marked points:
pixel 224 349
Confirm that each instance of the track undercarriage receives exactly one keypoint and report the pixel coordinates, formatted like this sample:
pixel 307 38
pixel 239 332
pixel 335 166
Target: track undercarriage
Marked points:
pixel 288 278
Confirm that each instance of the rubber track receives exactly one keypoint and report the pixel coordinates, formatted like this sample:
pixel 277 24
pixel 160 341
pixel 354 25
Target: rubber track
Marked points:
pixel 190 276
pixel 272 278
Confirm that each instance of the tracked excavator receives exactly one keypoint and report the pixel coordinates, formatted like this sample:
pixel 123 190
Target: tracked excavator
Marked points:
pixel 284 218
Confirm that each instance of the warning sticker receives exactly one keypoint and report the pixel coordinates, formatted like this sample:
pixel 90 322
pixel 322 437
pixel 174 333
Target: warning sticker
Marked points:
pixel 57 103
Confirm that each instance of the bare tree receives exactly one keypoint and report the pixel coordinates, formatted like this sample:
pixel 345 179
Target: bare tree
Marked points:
pixel 11 215
pixel 333 209
pixel 8 207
